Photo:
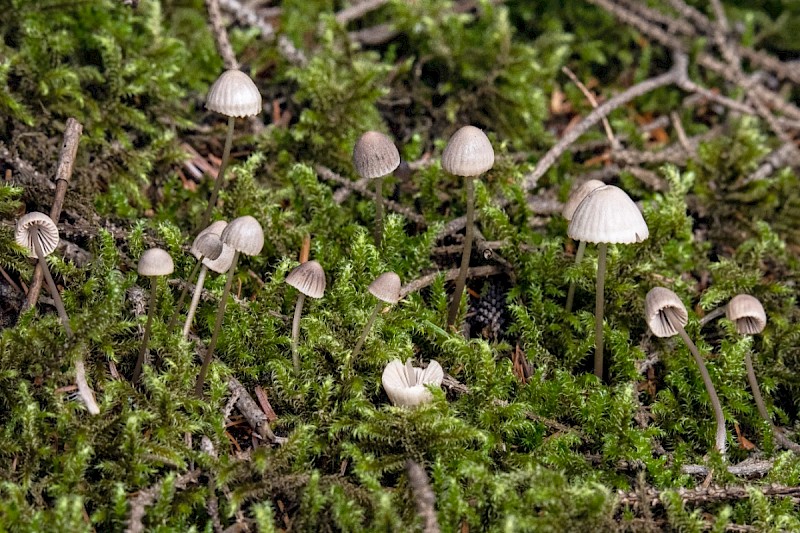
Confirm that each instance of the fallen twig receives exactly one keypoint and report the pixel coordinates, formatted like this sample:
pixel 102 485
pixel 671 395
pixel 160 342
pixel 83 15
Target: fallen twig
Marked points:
pixel 424 498
pixel 248 16
pixel 147 497
pixel 252 412
pixel 358 10
pixel 224 48
pixel 748 468
pixel 449 275
pixel 699 495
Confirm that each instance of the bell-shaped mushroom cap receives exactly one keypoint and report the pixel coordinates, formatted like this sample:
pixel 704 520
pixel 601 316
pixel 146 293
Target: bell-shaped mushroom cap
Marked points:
pixel 578 196
pixel 608 215
pixel 662 308
pixel 36 225
pixel 155 262
pixel 244 234
pixel 406 385
pixel 386 288
pixel 375 155
pixel 215 228
pixel 468 153
pixel 206 245
pixel 747 313
pixel 234 95
pixel 222 263
pixel 308 278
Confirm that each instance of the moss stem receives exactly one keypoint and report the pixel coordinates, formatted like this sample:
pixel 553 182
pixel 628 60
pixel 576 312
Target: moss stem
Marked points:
pixel 378 211
pixel 137 371
pixel 226 153
pixel 367 327
pixel 198 290
pixel 571 291
pixel 462 272
pixel 298 311
pixel 174 318
pixel 602 250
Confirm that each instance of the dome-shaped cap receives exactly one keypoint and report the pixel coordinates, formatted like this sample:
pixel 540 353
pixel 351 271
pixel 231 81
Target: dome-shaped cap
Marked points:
pixel 206 245
pixel 36 225
pixel 578 196
pixel 155 262
pixel 308 278
pixel 234 95
pixel 468 153
pixel 747 313
pixel 386 288
pixel 608 215
pixel 406 385
pixel 662 308
pixel 222 263
pixel 375 155
pixel 244 234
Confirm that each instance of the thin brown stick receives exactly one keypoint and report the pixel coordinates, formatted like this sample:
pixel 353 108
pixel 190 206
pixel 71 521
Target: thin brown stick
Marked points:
pixel 424 498
pixel 146 497
pixel 449 275
pixel 252 412
pixel 593 101
pixel 700 495
pixel 220 34
pixel 247 16
pixel 358 10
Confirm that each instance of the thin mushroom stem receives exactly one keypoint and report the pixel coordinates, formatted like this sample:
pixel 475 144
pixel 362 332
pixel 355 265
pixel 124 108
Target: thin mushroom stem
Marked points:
pixel 571 291
pixel 298 311
pixel 602 250
pixel 201 378
pixel 226 153
pixel 751 379
pixel 174 318
pixel 718 312
pixel 146 339
pixel 198 290
pixel 51 285
pixel 84 391
pixel 367 327
pixel 378 211
pixel 462 272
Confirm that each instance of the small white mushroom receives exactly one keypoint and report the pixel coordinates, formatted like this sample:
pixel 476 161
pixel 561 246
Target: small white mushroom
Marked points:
pixel 406 385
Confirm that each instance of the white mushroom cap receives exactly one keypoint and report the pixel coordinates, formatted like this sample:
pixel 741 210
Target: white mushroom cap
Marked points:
pixel 468 153
pixel 578 195
pixel 608 215
pixel 155 262
pixel 406 385
pixel 386 288
pixel 244 234
pixel 221 264
pixel 234 95
pixel 662 308
pixel 308 278
pixel 747 313
pixel 206 245
pixel 375 155
pixel 39 226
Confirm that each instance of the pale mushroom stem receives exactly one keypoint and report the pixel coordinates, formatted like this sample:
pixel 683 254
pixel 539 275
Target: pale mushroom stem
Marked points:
pixel 602 250
pixel 226 153
pixel 751 378
pixel 174 318
pixel 378 211
pixel 201 378
pixel 198 290
pixel 146 339
pixel 571 291
pixel 462 272
pixel 51 285
pixel 367 327
pixel 718 312
pixel 298 311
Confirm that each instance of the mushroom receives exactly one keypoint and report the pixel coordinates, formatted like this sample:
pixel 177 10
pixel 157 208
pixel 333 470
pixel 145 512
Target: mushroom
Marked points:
pixel 243 235
pixel 386 288
pixel 607 215
pixel 468 154
pixel 234 95
pixel 375 156
pixel 406 385
pixel 666 316
pixel 309 279
pixel 154 262
pixel 569 209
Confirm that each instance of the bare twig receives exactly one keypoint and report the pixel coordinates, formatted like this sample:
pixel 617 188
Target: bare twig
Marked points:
pixel 356 11
pixel 224 47
pixel 749 468
pixel 147 497
pixel 247 15
pixel 449 275
pixel 253 413
pixel 424 498
pixel 700 495
pixel 592 100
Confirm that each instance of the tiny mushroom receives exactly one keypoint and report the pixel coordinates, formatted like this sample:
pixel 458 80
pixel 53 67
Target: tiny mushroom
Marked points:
pixel 309 279
pixel 406 385
pixel 376 156
pixel 572 204
pixel 386 288
pixel 154 263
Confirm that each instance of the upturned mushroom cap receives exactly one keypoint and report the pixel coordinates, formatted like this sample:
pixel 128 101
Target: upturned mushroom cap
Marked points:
pixel 221 264
pixel 244 234
pixel 661 308
pixel 608 215
pixel 36 225
pixel 578 196
pixel 234 95
pixel 308 278
pixel 406 385
pixel 155 262
pixel 206 245
pixel 747 313
pixel 375 155
pixel 386 288
pixel 468 153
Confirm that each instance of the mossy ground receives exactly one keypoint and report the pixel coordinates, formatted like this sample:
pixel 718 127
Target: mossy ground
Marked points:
pixel 541 450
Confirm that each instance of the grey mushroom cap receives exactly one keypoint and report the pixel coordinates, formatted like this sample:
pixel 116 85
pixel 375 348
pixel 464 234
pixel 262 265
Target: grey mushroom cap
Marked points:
pixel 155 262
pixel 244 234
pixel 308 278
pixel 375 155
pixel 216 227
pixel 234 95
pixel 206 245
pixel 386 288
pixel 578 196
pixel 36 225
pixel 468 153
pixel 747 313
pixel 222 263
pixel 662 308
pixel 608 215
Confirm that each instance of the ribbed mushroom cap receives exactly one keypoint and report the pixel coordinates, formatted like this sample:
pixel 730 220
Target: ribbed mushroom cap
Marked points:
pixel 406 385
pixel 244 234
pixel 222 263
pixel 216 227
pixel 386 288
pixel 308 278
pixel 234 95
pixel 155 262
pixel 36 225
pixel 375 155
pixel 662 308
pixel 608 215
pixel 578 196
pixel 206 245
pixel 468 153
pixel 747 313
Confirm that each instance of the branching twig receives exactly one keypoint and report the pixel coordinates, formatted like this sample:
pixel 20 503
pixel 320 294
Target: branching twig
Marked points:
pixel 356 11
pixel 449 275
pixel 700 495
pixel 424 498
pixel 247 16
pixel 252 412
pixel 224 47
pixel 147 497
pixel 593 101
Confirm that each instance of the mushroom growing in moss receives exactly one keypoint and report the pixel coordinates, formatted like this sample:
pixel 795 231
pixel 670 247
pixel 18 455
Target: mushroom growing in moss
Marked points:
pixel 309 279
pixel 154 263
pixel 386 288
pixel 406 385
pixel 572 204
pixel 376 156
